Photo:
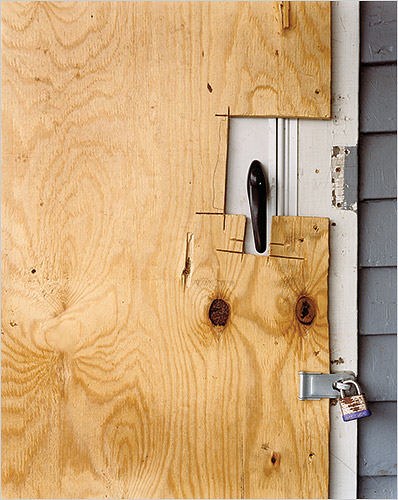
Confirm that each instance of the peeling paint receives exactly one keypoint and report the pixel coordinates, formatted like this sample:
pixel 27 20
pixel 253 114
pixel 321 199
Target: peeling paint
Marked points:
pixel 344 177
pixel 337 361
pixel 339 103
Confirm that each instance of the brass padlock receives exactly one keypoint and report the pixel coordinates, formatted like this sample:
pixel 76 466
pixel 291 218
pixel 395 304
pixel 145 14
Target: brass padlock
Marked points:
pixel 353 407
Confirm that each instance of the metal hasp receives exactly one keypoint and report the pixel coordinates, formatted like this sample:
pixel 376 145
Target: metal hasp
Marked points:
pixel 321 385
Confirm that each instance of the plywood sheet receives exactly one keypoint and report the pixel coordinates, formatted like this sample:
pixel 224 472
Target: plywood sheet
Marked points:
pixel 115 383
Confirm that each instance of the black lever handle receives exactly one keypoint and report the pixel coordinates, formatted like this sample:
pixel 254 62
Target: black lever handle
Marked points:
pixel 257 193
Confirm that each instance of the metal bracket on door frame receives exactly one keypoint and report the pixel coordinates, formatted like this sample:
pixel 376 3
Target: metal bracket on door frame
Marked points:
pixel 287 166
pixel 321 385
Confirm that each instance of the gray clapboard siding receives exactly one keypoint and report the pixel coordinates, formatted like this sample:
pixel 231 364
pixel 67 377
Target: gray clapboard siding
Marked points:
pixel 378 99
pixel 377 300
pixel 378 233
pixel 377 439
pixel 378 32
pixel 377 487
pixel 378 367
pixel 377 447
pixel 378 174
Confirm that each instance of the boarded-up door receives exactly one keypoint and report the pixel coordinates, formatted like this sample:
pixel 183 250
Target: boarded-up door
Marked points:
pixel 144 355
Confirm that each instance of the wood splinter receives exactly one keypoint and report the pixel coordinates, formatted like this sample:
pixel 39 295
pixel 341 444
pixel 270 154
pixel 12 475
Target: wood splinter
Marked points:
pixel 186 272
pixel 284 12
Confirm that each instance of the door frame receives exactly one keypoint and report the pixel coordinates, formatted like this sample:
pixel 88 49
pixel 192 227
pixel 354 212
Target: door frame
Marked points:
pixel 336 198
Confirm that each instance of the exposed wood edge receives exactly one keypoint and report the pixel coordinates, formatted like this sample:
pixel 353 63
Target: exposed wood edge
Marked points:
pixel 284 13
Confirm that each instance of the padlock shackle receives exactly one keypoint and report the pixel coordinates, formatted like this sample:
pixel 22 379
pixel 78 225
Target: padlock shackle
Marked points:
pixel 353 382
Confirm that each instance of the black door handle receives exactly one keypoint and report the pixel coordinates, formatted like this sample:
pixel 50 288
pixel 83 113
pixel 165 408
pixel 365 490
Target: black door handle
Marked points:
pixel 257 193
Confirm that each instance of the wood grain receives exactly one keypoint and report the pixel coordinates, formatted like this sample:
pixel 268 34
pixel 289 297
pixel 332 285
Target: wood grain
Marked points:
pixel 114 382
pixel 284 441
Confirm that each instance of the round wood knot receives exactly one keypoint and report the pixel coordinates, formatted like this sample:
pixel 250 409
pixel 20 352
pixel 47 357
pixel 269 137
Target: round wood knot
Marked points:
pixel 305 310
pixel 219 312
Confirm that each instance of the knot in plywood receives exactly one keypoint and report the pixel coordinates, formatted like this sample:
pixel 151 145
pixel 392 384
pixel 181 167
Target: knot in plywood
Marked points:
pixel 219 312
pixel 305 310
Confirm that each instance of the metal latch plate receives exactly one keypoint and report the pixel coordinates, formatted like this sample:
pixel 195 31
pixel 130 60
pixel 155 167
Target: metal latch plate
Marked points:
pixel 315 385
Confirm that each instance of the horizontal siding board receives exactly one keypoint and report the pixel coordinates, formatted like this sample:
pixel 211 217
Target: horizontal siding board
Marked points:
pixel 377 487
pixel 378 367
pixel 378 32
pixel 378 166
pixel 377 289
pixel 377 300
pixel 378 99
pixel 377 450
pixel 378 233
